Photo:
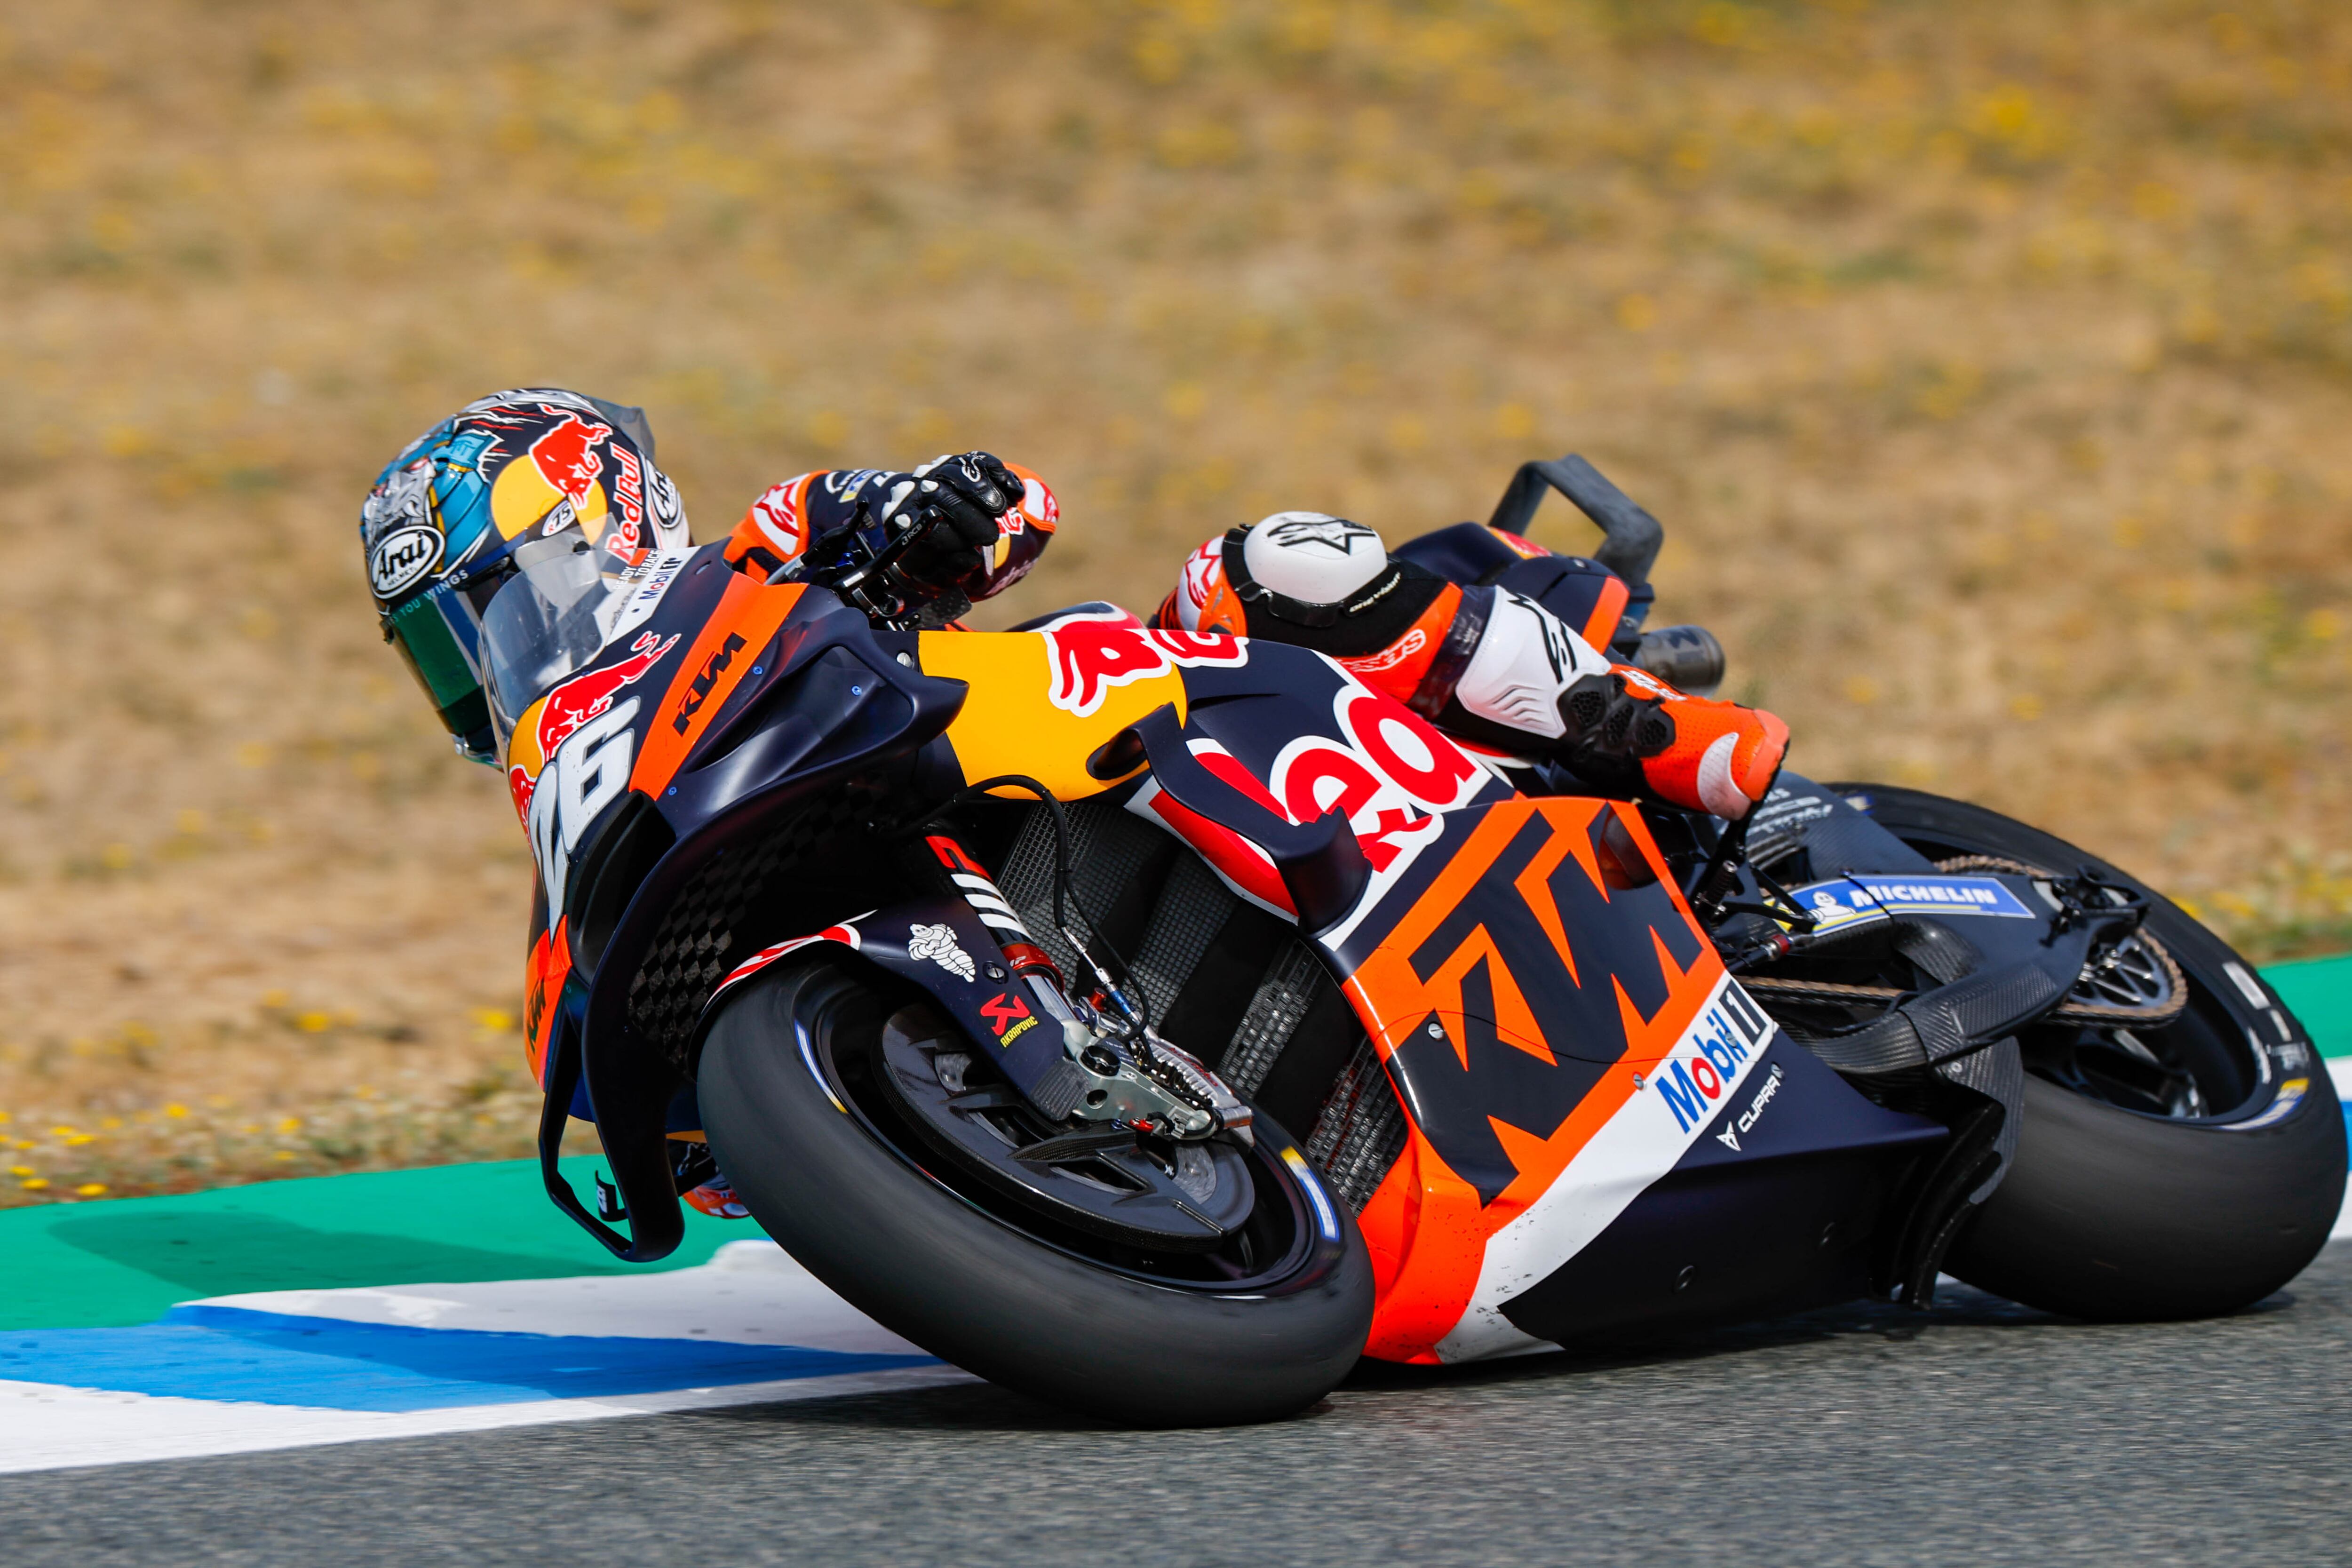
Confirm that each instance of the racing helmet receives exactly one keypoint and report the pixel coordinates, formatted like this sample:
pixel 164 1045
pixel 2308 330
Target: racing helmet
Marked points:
pixel 442 524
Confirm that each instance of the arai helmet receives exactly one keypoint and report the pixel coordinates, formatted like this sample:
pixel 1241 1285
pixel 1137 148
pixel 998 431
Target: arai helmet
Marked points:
pixel 442 524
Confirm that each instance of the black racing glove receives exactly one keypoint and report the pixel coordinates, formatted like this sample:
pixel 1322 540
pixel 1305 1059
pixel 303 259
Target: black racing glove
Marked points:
pixel 955 502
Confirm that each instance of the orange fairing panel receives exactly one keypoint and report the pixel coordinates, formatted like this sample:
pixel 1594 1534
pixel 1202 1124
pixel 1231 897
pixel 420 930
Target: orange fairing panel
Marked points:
pixel 544 972
pixel 1524 986
pixel 731 641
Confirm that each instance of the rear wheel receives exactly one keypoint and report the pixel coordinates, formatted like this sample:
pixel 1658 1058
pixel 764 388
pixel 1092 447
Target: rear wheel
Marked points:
pixel 2175 1170
pixel 981 1267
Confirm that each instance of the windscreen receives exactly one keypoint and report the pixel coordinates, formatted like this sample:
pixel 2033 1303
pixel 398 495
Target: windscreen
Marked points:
pixel 545 623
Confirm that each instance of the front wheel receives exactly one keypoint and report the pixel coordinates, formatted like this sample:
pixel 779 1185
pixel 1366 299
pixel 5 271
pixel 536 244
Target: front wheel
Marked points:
pixel 795 1100
pixel 2177 1171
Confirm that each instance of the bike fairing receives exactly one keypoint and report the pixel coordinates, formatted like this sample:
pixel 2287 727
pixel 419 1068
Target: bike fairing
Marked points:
pixel 1384 768
pixel 1305 737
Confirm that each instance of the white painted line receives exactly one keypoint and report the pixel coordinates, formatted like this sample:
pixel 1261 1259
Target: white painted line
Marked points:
pixel 750 1293
pixel 2340 1069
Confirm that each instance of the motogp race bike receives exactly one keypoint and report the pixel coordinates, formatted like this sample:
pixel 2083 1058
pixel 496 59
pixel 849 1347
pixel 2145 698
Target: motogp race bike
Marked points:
pixel 1157 1022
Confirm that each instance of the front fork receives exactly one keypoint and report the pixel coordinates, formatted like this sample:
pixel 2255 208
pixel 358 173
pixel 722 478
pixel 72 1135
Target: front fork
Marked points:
pixel 1112 1067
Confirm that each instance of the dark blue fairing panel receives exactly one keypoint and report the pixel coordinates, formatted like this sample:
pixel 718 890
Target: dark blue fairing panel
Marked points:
pixel 1569 586
pixel 1771 1210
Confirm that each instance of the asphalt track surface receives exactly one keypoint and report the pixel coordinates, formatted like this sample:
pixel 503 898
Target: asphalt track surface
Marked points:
pixel 1860 1435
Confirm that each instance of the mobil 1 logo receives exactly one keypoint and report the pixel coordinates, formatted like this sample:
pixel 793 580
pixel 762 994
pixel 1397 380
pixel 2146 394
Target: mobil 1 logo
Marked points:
pixel 1713 1056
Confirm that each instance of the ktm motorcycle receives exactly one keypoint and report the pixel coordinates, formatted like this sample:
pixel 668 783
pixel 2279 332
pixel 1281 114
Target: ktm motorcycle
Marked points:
pixel 1157 1022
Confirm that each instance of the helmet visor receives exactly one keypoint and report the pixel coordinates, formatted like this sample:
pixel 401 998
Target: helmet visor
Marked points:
pixel 439 634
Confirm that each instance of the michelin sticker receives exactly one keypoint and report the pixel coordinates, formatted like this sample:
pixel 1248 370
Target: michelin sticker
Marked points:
pixel 937 943
pixel 1850 900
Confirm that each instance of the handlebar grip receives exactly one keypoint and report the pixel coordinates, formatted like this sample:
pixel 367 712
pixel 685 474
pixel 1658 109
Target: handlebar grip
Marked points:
pixel 1687 659
pixel 1632 537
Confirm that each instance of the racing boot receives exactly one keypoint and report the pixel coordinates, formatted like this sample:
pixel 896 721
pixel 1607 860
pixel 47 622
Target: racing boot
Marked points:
pixel 1631 731
pixel 715 1197
pixel 702 1186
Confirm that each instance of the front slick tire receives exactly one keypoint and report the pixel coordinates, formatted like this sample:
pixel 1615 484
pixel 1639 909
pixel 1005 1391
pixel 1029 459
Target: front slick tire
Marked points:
pixel 2111 1211
pixel 976 1285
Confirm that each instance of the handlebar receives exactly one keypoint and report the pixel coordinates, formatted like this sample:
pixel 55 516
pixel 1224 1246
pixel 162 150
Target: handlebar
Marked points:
pixel 864 575
pixel 1631 536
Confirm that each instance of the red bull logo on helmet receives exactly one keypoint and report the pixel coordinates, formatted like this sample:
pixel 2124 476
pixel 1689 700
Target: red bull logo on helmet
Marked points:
pixel 1095 651
pixel 628 494
pixel 566 456
pixel 554 482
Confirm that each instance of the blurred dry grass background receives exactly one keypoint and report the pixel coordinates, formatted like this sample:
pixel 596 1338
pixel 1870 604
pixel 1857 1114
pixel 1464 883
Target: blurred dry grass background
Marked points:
pixel 1990 366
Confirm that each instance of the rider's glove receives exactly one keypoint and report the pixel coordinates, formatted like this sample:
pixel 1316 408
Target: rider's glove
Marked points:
pixel 955 502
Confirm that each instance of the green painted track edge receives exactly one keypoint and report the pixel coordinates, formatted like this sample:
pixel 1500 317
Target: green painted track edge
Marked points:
pixel 125 1260
pixel 2318 992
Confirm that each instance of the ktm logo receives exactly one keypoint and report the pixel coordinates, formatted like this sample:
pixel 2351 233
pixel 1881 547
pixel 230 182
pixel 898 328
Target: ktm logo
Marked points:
pixel 1531 964
pixel 698 692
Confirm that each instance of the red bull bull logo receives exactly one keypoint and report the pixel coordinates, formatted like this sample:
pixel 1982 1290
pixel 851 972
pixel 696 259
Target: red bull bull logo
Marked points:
pixel 566 456
pixel 584 697
pixel 574 704
pixel 1092 652
pixel 521 782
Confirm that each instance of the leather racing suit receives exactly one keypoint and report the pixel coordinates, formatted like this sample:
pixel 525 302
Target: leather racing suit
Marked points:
pixel 1484 664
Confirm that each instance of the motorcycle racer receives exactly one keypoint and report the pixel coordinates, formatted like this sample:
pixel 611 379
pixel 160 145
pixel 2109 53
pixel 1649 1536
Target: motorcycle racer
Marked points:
pixel 442 523
pixel 1483 663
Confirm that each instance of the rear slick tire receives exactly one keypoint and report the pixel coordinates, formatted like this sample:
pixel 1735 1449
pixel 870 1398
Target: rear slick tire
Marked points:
pixel 2120 1215
pixel 935 1266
